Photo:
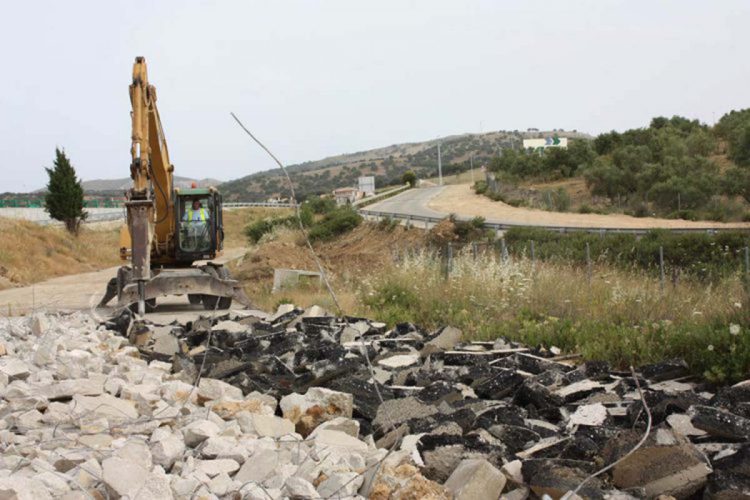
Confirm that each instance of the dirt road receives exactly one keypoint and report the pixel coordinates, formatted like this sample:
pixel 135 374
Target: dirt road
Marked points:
pixel 460 199
pixel 83 292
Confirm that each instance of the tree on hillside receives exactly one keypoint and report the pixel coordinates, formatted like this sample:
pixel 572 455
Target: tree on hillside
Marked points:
pixel 605 143
pixel 410 178
pixel 736 182
pixel 64 198
pixel 739 147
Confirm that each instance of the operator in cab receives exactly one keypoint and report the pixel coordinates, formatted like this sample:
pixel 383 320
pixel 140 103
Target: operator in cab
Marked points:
pixel 197 213
pixel 194 236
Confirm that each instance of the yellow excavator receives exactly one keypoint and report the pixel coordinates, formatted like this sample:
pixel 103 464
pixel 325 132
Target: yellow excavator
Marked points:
pixel 168 229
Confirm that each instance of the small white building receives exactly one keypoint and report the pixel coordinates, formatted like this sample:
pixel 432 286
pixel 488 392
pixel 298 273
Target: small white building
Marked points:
pixel 367 185
pixel 347 195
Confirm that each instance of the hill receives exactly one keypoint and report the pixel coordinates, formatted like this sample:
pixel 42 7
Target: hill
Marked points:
pixel 387 164
pixel 98 185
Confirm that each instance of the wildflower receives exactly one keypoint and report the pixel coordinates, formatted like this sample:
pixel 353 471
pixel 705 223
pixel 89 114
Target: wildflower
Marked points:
pixel 710 347
pixel 738 305
pixel 734 329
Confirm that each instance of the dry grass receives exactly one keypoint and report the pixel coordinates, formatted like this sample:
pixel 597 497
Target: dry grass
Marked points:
pixel 31 253
pixel 623 317
pixel 557 290
pixel 364 251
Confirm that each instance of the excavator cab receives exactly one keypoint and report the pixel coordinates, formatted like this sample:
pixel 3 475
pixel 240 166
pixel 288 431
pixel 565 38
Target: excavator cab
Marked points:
pixel 200 232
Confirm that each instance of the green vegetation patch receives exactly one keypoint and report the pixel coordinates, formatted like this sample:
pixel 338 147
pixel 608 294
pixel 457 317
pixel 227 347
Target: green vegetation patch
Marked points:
pixel 668 168
pixel 320 216
pixel 697 254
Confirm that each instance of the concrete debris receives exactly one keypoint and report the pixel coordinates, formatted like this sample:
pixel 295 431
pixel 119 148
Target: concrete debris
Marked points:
pixel 560 479
pixel 476 479
pixel 14 369
pixel 720 423
pixel 731 476
pixel 595 414
pixel 316 406
pixel 399 361
pixel 266 425
pixel 445 340
pixel 287 406
pixel 296 487
pixel 682 424
pixel 667 464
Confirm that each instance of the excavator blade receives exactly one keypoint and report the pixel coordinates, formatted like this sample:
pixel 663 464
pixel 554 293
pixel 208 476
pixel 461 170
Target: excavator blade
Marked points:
pixel 183 282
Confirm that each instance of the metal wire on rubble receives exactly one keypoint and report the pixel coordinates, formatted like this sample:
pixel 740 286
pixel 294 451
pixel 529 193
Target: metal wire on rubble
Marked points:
pixel 570 495
pixel 329 288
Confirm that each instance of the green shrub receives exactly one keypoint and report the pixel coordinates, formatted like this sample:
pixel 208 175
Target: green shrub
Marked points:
pixel 561 200
pixel 409 177
pixel 641 210
pixel 260 227
pixel 480 187
pixel 257 229
pixel 339 221
pixel 478 222
pixel 319 205
pixel 387 224
pixel 466 231
pixel 684 214
pixel 306 214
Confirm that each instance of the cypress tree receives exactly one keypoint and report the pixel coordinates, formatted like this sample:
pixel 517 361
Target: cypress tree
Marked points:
pixel 64 198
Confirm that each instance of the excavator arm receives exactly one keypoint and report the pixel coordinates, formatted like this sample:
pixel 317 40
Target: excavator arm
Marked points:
pixel 150 203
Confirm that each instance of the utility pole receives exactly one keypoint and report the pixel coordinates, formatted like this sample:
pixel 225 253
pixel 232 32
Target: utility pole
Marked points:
pixel 471 167
pixel 440 166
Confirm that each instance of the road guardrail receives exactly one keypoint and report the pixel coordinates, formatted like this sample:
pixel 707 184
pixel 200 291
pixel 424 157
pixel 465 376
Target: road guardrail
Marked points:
pixel 410 219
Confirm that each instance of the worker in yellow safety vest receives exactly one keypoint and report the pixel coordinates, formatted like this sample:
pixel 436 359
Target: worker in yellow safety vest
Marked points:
pixel 196 213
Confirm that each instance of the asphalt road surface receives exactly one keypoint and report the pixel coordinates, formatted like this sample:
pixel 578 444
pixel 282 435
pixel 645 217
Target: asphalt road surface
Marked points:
pixel 460 199
pixel 410 202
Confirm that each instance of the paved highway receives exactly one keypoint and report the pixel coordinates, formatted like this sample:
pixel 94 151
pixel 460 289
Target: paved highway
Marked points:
pixel 411 202
pixel 439 202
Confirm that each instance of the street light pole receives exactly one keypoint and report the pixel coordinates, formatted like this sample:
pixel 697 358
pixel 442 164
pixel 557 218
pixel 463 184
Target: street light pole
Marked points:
pixel 440 166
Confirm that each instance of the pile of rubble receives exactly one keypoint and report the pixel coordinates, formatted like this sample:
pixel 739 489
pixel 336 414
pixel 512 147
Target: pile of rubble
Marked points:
pixel 300 404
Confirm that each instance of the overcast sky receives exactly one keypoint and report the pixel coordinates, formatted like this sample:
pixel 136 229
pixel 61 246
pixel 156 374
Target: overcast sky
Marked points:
pixel 313 79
